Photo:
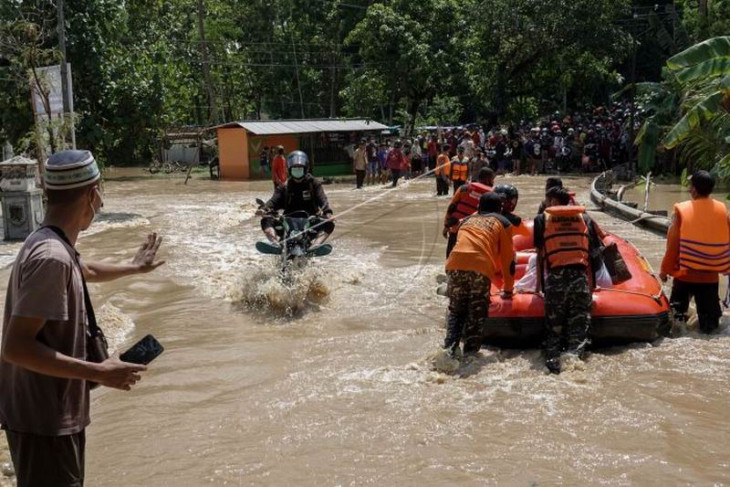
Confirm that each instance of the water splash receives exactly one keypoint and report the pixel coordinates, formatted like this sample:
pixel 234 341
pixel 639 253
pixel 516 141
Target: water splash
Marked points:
pixel 264 288
pixel 440 361
pixel 116 325
pixel 112 221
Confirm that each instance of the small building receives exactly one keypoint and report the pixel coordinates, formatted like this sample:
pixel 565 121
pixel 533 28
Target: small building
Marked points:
pixel 185 145
pixel 328 143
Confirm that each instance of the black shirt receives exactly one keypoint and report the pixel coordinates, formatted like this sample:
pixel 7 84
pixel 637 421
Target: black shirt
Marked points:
pixel 305 195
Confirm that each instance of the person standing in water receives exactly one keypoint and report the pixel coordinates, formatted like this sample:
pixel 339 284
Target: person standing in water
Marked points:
pixel 397 162
pixel 698 251
pixel 278 168
pixel 443 172
pixel 511 197
pixel 360 163
pixel 47 365
pixel 459 168
pixel 465 202
pixel 482 243
pixel 566 239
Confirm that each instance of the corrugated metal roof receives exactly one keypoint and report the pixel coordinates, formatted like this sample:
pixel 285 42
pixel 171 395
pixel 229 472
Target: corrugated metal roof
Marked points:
pixel 276 127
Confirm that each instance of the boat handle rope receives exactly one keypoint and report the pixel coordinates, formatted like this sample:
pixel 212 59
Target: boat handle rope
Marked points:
pixel 655 297
pixel 539 295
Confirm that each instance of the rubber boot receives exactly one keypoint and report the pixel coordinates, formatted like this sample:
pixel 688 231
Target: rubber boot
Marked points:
pixel 472 346
pixel 708 324
pixel 577 346
pixel 552 354
pixel 453 335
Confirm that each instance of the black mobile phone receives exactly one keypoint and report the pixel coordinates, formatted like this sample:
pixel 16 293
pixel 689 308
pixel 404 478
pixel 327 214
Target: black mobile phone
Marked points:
pixel 143 352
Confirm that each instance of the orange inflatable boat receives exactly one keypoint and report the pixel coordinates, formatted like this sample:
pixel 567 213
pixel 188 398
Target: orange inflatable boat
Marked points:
pixel 634 310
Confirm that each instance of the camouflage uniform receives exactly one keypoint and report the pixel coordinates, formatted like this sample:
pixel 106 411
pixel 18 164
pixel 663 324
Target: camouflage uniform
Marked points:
pixel 468 310
pixel 568 301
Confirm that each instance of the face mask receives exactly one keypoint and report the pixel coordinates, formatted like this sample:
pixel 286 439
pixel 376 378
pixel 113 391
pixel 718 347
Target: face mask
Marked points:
pixel 297 172
pixel 91 204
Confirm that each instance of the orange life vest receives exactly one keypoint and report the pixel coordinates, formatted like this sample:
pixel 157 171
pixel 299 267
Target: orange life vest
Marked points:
pixel 443 166
pixel 469 201
pixel 566 236
pixel 704 239
pixel 459 169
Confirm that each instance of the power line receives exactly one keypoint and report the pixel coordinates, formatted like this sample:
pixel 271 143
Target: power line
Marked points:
pixel 275 65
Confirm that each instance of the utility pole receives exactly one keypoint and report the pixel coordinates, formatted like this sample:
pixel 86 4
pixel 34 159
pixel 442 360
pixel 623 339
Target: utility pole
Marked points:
pixel 212 108
pixel 67 115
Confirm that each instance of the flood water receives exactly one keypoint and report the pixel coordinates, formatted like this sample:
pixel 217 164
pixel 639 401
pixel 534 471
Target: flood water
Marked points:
pixel 328 382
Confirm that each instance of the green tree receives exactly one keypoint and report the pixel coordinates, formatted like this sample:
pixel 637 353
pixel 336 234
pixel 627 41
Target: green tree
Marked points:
pixel 414 62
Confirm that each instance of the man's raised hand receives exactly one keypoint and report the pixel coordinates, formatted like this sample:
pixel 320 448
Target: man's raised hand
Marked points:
pixel 147 253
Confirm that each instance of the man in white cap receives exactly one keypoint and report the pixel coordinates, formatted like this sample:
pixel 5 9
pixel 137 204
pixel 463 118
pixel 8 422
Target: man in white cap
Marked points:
pixel 47 360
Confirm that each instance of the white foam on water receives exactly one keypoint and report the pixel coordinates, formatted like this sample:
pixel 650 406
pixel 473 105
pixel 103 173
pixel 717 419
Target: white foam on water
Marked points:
pixel 265 288
pixel 115 221
pixel 8 253
pixel 116 325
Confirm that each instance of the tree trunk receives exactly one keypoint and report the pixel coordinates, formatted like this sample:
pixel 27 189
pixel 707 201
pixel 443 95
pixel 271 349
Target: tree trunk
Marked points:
pixel 333 107
pixel 413 106
pixel 501 101
pixel 212 109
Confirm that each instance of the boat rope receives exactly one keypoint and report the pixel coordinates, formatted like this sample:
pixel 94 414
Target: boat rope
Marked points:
pixel 655 297
pixel 385 191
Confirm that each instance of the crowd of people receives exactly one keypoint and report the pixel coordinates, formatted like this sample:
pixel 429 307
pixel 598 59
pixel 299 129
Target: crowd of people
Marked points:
pixel 51 357
pixel 587 141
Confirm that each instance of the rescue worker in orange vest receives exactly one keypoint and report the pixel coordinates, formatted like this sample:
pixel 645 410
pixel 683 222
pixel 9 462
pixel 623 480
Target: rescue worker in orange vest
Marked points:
pixel 568 245
pixel 698 250
pixel 443 172
pixel 459 168
pixel 483 248
pixel 511 196
pixel 465 202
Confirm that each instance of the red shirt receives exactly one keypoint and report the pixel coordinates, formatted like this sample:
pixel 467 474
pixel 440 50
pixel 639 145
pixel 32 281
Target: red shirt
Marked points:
pixel 397 161
pixel 278 170
pixel 433 149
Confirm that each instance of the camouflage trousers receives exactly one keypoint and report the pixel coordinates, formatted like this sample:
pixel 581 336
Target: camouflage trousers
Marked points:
pixel 568 300
pixel 468 310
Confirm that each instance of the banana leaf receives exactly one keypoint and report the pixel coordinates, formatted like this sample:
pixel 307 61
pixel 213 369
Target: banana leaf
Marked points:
pixel 706 109
pixel 723 167
pixel 715 48
pixel 647 146
pixel 707 69
pixel 644 88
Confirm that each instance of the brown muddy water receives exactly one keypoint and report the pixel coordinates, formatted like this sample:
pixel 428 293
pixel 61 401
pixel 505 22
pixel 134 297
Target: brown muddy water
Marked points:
pixel 328 382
